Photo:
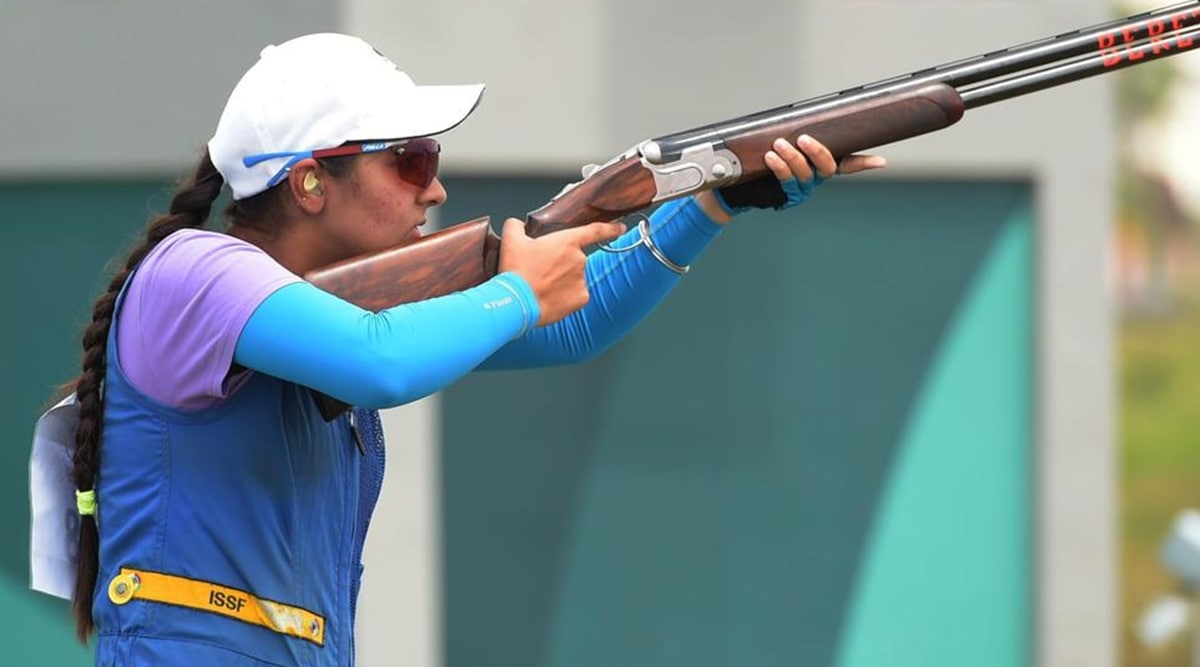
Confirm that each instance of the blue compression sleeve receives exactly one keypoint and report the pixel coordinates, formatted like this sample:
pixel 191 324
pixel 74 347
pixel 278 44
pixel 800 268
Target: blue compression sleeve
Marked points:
pixel 625 288
pixel 375 360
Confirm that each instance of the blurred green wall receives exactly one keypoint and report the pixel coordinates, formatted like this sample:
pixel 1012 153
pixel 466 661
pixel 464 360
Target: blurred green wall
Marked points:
pixel 815 453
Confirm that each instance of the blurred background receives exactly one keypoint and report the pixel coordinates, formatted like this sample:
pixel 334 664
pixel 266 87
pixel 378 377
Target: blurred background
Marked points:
pixel 940 415
pixel 1155 289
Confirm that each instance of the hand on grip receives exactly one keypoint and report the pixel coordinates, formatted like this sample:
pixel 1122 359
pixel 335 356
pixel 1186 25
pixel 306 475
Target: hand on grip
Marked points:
pixel 553 264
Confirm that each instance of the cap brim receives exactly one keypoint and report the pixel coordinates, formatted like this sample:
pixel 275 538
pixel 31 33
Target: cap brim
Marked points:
pixel 421 111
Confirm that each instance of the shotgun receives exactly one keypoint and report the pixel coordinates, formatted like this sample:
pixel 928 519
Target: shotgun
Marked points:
pixel 731 151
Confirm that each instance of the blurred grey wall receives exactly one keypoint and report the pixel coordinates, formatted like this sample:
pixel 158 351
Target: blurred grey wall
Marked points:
pixel 109 89
pixel 121 88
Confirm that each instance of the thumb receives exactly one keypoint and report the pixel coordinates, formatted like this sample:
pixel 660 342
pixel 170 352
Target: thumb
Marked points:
pixel 513 227
pixel 856 163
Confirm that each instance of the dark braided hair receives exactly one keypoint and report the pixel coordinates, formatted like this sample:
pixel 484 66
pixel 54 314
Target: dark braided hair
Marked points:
pixel 190 207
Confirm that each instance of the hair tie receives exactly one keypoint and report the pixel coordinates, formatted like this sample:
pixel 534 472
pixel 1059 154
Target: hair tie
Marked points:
pixel 85 502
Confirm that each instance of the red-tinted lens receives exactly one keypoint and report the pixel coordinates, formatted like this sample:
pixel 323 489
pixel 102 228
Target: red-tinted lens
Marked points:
pixel 417 161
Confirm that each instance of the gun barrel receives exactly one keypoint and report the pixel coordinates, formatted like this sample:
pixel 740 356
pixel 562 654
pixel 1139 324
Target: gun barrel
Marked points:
pixel 1126 55
pixel 1095 43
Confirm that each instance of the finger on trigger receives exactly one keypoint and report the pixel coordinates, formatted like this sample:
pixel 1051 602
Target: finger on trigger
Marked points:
pixel 613 230
pixel 598 232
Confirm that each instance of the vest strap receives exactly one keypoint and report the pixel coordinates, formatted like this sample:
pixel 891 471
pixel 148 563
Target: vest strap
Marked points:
pixel 133 584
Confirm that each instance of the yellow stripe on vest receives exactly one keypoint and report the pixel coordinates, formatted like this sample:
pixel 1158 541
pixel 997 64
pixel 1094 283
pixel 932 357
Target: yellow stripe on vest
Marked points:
pixel 134 584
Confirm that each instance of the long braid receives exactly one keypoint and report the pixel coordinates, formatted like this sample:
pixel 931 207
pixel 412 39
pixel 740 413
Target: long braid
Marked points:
pixel 190 207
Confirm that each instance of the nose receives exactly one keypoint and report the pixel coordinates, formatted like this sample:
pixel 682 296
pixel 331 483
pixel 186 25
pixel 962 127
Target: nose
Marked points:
pixel 435 194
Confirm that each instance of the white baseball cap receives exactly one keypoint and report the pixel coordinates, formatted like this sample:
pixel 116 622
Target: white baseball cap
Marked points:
pixel 320 91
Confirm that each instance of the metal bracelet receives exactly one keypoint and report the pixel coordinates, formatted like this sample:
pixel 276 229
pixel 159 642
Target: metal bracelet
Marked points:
pixel 645 240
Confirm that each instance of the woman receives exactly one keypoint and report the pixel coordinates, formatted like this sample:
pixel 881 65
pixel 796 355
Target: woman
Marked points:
pixel 222 518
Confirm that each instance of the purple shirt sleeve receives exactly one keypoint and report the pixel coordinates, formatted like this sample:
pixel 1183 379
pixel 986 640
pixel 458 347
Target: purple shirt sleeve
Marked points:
pixel 184 310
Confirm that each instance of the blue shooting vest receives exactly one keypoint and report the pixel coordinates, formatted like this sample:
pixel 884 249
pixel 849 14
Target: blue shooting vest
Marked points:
pixel 253 507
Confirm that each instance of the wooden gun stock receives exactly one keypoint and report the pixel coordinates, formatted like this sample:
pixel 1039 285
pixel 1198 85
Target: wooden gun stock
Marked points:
pixel 447 261
pixel 614 191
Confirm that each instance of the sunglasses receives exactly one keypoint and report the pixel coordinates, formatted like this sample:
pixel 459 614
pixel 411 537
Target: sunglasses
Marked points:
pixel 417 159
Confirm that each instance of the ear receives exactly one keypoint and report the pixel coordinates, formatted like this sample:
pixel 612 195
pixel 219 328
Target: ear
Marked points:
pixel 304 185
